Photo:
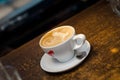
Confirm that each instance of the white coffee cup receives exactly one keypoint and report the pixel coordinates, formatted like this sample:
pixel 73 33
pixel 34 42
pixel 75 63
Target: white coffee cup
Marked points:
pixel 61 42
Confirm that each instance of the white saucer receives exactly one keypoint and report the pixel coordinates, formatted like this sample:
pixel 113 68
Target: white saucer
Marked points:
pixel 49 64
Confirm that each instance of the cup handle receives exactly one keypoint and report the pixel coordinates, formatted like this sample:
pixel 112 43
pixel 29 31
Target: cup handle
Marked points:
pixel 78 41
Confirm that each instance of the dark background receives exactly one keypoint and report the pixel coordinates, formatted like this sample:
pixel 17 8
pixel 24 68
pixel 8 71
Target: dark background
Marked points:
pixel 36 20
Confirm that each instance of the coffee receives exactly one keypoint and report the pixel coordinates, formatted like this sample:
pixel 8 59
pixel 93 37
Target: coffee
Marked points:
pixel 56 36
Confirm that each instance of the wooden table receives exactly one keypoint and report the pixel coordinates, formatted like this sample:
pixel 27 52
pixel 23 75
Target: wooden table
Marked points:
pixel 102 29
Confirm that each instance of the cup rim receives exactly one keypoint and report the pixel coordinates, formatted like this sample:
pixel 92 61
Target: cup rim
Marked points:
pixel 61 42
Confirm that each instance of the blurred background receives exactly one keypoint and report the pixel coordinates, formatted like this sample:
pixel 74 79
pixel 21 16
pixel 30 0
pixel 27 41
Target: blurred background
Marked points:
pixel 23 20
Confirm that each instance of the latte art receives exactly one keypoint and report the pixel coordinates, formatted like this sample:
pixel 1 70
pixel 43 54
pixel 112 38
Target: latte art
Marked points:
pixel 56 36
pixel 60 35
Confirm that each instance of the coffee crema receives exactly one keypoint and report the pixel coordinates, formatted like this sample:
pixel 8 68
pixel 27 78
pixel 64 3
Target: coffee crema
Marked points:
pixel 56 36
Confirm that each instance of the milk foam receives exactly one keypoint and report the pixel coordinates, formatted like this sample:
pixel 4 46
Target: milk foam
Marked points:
pixel 61 35
pixel 56 36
